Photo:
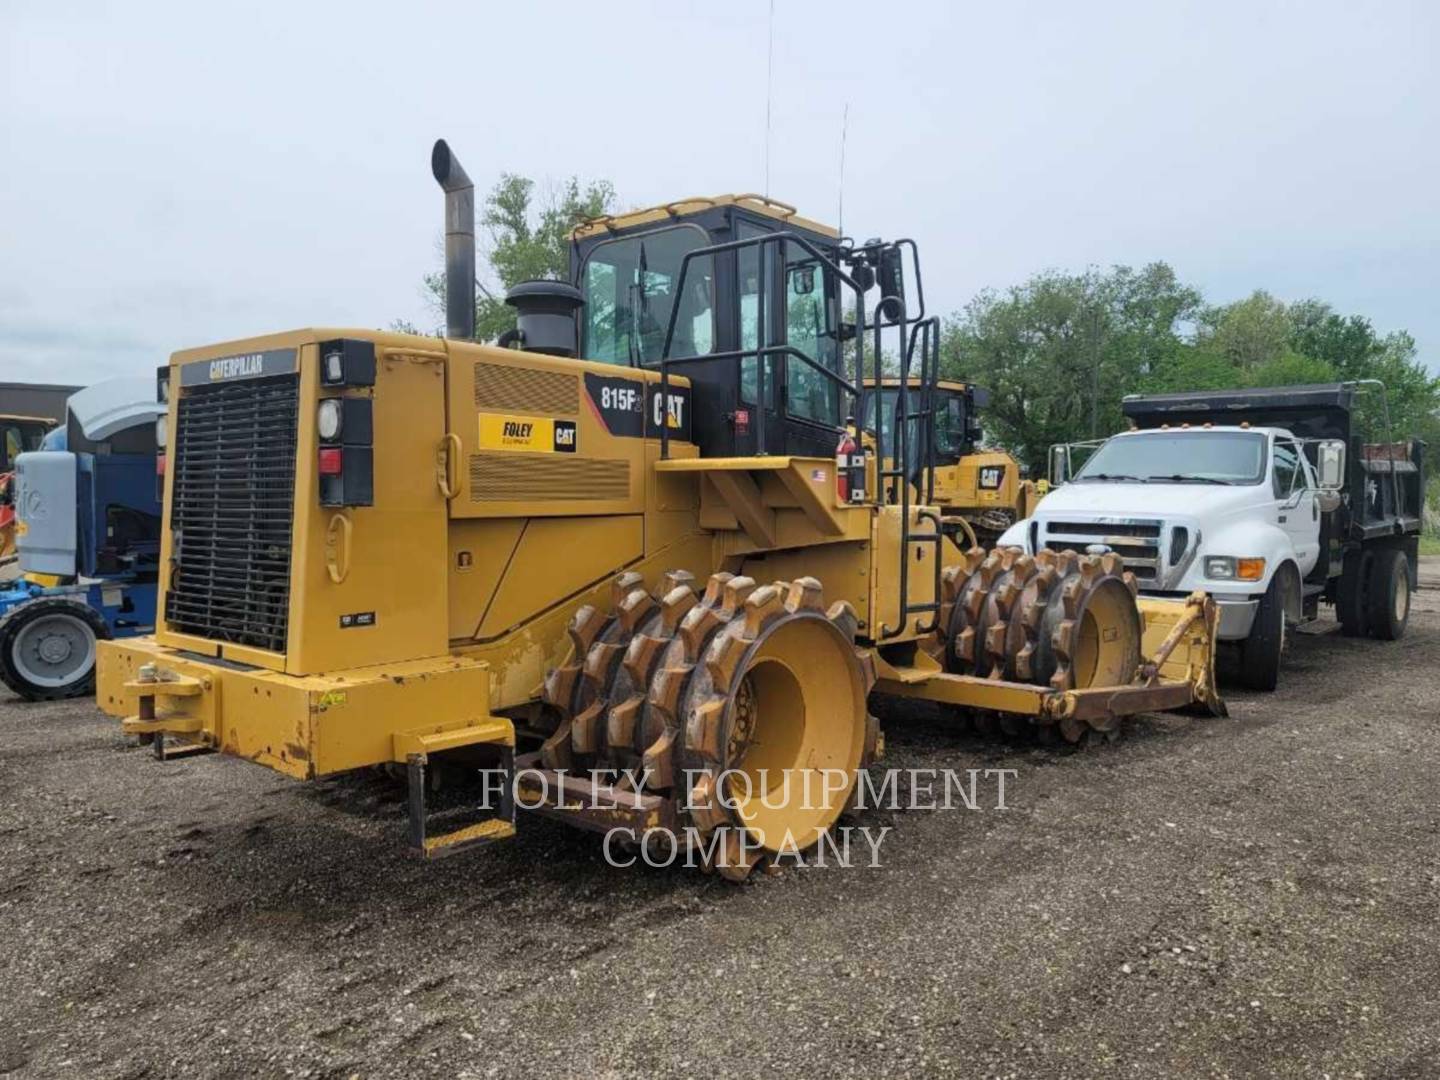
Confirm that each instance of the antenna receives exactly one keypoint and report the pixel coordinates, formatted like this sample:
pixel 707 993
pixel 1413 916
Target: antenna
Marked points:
pixel 769 71
pixel 844 125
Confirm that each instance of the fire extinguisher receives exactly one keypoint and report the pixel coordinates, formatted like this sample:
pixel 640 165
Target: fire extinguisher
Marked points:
pixel 849 468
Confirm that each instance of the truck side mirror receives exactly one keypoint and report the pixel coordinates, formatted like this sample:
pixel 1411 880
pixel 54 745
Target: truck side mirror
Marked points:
pixel 1059 464
pixel 1330 464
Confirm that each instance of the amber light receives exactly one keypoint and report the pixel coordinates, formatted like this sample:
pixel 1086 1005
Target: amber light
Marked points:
pixel 1249 569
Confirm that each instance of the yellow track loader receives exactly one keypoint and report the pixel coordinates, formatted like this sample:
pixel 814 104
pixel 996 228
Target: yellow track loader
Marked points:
pixel 634 556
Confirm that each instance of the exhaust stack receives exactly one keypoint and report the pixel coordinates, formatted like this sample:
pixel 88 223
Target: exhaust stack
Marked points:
pixel 459 242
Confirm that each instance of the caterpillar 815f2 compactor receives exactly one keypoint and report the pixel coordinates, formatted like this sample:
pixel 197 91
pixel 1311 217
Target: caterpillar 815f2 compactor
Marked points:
pixel 632 554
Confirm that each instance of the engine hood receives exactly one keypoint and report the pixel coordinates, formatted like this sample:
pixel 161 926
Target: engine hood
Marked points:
pixel 1149 500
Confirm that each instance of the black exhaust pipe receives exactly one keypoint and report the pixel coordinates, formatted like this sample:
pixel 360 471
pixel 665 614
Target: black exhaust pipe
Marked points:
pixel 459 242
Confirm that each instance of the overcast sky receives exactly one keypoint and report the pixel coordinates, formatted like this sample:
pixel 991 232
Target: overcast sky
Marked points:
pixel 174 174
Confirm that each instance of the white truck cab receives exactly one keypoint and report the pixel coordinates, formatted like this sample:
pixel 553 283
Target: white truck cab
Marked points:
pixel 1223 509
pixel 1266 515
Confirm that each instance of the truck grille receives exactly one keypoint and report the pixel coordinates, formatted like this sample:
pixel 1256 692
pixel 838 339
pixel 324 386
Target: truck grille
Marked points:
pixel 233 453
pixel 1136 542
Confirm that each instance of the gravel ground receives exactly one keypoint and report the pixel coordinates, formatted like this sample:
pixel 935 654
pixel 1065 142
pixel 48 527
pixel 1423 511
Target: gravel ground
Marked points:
pixel 1253 896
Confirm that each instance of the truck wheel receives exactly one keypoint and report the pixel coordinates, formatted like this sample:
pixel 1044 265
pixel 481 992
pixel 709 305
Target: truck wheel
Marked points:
pixel 1389 594
pixel 47 648
pixel 1350 606
pixel 1260 652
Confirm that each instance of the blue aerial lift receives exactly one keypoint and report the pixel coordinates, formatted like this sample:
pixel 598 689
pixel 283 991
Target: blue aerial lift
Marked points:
pixel 88 537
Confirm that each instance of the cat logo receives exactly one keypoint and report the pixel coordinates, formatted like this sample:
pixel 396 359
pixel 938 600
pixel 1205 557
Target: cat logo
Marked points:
pixel 533 434
pixel 237 367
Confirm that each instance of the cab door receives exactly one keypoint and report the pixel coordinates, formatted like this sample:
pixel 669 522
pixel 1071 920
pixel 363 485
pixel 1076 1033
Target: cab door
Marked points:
pixel 815 405
pixel 757 304
pixel 1296 510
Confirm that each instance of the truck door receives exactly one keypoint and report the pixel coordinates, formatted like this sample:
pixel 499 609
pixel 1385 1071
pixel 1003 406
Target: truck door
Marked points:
pixel 1295 507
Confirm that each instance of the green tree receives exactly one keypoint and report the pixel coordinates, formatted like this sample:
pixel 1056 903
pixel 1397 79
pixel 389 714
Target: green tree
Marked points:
pixel 1248 333
pixel 528 238
pixel 1059 351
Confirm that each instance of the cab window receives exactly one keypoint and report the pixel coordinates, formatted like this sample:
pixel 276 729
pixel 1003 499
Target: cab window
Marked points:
pixel 748 268
pixel 1287 475
pixel 631 285
pixel 949 426
pixel 810 395
pixel 16 439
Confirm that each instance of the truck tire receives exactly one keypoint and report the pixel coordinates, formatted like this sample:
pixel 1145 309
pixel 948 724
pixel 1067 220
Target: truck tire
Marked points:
pixel 1350 604
pixel 1260 652
pixel 1389 594
pixel 47 648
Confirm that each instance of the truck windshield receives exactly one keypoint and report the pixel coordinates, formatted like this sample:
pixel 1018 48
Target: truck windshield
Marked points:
pixel 1178 457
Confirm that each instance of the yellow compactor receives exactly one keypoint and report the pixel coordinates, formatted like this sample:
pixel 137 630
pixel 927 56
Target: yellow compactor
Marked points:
pixel 979 492
pixel 635 555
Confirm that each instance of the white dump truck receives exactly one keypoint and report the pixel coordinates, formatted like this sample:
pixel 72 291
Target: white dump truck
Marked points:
pixel 1266 499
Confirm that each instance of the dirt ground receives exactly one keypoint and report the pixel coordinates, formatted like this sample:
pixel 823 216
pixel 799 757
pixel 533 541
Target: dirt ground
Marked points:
pixel 1254 896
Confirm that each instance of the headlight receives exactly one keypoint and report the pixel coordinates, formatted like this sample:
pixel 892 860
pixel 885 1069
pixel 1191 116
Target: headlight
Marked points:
pixel 161 431
pixel 164 389
pixel 334 367
pixel 327 419
pixel 1230 568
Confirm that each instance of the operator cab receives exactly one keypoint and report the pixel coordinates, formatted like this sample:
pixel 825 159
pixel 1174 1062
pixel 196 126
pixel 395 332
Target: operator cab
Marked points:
pixel 699 275
pixel 956 408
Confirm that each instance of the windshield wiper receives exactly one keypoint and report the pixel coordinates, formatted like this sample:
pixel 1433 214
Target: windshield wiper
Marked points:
pixel 1182 478
pixel 1110 476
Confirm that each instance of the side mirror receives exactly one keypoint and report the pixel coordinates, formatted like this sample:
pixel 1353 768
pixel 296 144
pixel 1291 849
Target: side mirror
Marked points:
pixel 1059 464
pixel 892 281
pixel 1330 464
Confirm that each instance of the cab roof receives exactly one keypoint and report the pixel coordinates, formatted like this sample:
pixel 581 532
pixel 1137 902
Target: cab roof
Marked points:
pixel 759 204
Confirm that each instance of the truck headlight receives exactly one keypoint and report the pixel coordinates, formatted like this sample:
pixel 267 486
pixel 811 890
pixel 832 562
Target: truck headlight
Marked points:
pixel 327 419
pixel 161 431
pixel 1231 568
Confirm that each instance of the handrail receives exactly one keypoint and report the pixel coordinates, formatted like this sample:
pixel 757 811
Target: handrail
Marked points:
pixel 918 332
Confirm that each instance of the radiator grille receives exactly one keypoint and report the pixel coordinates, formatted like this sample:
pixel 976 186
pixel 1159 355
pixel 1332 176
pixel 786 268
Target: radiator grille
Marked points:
pixel 516 389
pixel 231 512
pixel 511 477
pixel 1136 542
